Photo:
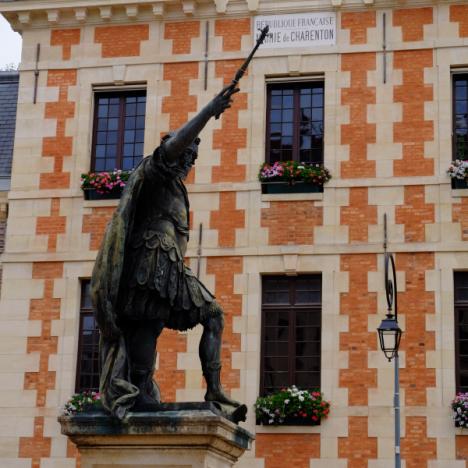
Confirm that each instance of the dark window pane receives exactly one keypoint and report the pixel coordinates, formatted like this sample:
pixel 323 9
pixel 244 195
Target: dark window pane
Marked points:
pixel 307 318
pixel 102 111
pixel 130 109
pixel 102 124
pixel 276 380
pixel 100 151
pixel 129 123
pixel 141 108
pixel 128 150
pixel 138 150
pixel 276 348
pixel 275 116
pixel 276 364
pixel 140 121
pixel 128 164
pixel 112 138
pixel 276 102
pixel 99 164
pixel 114 111
pixel 276 333
pixel 307 333
pixel 87 377
pixel 461 91
pixel 101 138
pixel 113 124
pixel 307 348
pixel 308 380
pixel 309 364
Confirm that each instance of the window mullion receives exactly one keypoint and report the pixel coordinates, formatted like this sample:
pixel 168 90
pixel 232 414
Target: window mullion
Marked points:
pixel 296 124
pixel 120 134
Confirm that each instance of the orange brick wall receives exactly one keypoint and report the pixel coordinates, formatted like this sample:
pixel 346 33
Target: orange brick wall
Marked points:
pixel 359 215
pixel 358 133
pixel 358 448
pixel 66 38
pixel 224 269
pixel 358 304
pixel 459 14
pixel 227 219
pixel 291 223
pixel 412 21
pixel 295 450
pixel 121 41
pixel 358 24
pixel 59 146
pixel 414 130
pixel 181 34
pixel 230 138
pixel 45 310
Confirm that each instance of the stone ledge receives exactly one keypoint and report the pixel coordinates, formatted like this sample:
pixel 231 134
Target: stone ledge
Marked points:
pixel 176 425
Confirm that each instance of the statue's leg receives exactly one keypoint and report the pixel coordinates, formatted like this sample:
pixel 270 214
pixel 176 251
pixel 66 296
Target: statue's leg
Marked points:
pixel 142 337
pixel 210 355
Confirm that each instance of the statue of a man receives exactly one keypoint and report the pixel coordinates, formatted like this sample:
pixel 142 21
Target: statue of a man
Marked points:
pixel 140 283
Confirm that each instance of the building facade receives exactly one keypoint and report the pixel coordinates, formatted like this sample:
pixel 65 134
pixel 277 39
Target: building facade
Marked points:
pixel 376 91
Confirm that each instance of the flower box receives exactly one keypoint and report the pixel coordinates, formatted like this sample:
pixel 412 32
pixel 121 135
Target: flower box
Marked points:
pixel 291 407
pixel 289 421
pixel 293 177
pixel 93 194
pixel 285 187
pixel 104 185
pixel 459 184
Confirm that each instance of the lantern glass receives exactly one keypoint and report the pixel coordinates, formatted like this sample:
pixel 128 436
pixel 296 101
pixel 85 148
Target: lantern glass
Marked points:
pixel 389 337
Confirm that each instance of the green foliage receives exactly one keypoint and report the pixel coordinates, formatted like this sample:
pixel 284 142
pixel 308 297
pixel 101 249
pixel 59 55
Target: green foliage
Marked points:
pixel 291 403
pixel 81 402
pixel 293 171
pixel 105 182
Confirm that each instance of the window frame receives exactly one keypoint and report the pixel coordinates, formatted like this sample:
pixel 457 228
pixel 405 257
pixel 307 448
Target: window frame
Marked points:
pixel 459 75
pixel 295 84
pixel 85 311
pixel 121 94
pixel 292 308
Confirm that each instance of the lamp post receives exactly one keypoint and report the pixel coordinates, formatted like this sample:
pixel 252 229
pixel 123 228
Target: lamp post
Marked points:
pixel 389 338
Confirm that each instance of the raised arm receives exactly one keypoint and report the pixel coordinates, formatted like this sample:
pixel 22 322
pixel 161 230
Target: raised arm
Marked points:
pixel 184 136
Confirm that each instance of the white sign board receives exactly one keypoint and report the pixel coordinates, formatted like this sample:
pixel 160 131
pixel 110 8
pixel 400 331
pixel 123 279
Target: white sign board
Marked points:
pixel 297 30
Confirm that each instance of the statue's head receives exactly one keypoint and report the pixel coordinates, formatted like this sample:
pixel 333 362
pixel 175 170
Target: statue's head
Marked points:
pixel 188 157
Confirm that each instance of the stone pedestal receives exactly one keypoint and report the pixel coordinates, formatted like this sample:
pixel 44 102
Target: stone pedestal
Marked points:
pixel 194 437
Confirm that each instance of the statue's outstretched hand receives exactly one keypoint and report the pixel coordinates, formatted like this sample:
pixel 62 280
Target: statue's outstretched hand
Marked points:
pixel 223 100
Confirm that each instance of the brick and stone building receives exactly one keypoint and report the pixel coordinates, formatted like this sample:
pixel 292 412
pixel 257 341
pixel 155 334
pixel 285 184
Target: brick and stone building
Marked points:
pixel 9 81
pixel 376 99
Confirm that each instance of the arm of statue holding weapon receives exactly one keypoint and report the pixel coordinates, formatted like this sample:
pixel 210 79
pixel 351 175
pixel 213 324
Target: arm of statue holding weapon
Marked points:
pixel 185 135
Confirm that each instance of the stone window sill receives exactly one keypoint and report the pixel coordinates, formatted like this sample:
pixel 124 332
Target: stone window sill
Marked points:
pixel 261 429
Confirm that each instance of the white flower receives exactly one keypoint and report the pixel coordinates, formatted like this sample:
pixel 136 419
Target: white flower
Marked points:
pixel 286 402
pixel 301 398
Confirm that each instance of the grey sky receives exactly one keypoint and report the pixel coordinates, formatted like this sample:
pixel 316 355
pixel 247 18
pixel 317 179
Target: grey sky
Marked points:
pixel 10 44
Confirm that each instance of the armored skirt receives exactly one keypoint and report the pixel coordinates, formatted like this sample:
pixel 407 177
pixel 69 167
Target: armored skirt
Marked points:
pixel 161 287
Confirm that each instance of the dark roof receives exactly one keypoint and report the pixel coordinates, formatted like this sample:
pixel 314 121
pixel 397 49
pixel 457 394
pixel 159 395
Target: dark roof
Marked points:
pixel 9 81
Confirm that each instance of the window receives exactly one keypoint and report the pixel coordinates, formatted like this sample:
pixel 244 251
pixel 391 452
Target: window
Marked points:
pixel 119 127
pixel 87 372
pixel 291 332
pixel 460 116
pixel 295 122
pixel 461 330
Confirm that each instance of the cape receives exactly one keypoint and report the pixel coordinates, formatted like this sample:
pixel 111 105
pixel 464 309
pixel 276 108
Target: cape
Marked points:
pixel 118 394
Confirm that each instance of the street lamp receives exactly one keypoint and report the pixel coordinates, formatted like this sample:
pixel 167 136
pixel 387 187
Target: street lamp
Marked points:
pixel 389 338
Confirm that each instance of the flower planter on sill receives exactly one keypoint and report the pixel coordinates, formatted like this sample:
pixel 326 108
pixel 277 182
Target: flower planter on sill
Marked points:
pixel 93 194
pixel 285 187
pixel 459 183
pixel 290 421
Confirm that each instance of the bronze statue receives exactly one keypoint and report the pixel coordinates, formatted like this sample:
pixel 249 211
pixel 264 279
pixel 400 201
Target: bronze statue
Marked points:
pixel 140 283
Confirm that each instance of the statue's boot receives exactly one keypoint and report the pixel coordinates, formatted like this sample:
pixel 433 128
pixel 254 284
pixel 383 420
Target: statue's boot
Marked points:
pixel 214 391
pixel 149 397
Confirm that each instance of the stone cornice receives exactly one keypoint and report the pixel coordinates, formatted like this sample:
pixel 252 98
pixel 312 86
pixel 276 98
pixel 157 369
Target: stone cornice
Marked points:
pixel 24 14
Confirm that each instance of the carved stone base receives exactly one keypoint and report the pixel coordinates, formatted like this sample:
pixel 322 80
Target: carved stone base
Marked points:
pixel 170 438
